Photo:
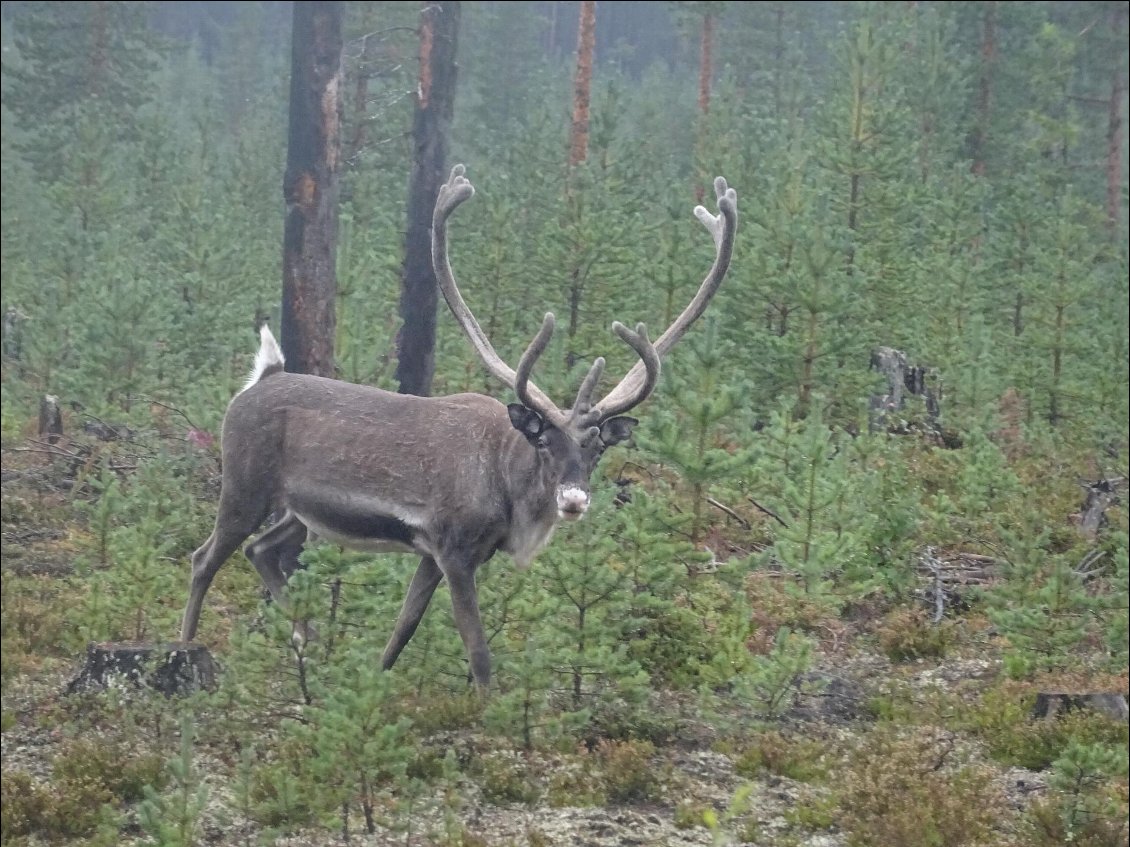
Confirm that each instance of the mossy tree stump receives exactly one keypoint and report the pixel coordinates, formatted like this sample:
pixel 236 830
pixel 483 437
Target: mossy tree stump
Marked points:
pixel 172 668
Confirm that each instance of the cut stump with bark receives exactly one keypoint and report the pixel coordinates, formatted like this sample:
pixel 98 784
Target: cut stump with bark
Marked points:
pixel 1050 704
pixel 172 668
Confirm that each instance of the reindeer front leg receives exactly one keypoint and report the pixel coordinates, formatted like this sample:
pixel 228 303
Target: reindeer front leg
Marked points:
pixel 465 603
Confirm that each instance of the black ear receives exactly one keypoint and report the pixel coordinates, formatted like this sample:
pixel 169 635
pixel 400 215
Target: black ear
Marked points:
pixel 615 430
pixel 526 421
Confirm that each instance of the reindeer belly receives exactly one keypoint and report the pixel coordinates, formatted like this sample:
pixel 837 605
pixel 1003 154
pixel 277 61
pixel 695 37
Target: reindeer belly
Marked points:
pixel 357 524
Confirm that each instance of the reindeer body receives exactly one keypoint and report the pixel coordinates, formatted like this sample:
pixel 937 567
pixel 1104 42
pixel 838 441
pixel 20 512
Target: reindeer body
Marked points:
pixel 454 479
pixel 358 466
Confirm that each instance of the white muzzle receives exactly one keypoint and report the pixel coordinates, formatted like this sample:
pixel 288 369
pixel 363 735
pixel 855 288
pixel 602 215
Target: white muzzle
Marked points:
pixel 572 502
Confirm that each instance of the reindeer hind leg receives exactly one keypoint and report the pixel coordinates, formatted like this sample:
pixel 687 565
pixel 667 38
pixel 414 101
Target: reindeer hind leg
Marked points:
pixel 206 561
pixel 275 553
pixel 424 582
pixel 275 556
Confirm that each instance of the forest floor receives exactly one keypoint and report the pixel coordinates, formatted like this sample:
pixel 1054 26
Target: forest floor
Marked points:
pixel 903 745
pixel 693 772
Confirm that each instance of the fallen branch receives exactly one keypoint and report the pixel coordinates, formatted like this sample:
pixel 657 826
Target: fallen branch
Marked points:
pixel 744 523
pixel 768 512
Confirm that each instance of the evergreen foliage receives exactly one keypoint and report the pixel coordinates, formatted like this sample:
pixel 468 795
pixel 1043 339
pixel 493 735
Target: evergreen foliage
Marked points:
pixel 934 177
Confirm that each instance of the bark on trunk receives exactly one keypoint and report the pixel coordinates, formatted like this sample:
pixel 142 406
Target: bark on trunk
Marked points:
pixel 435 105
pixel 310 189
pixel 582 84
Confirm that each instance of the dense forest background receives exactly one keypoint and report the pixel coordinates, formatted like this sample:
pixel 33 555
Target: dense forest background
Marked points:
pixel 789 619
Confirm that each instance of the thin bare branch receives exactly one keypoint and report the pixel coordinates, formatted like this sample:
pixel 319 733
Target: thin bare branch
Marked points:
pixel 768 512
pixel 723 507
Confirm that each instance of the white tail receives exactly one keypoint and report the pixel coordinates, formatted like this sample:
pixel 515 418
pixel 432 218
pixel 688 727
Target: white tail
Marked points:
pixel 268 360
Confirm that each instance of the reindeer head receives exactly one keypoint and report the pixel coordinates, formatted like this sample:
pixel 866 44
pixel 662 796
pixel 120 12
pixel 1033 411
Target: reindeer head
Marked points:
pixel 571 441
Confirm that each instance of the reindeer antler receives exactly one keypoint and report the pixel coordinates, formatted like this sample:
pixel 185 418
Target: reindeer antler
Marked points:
pixel 640 381
pixel 452 194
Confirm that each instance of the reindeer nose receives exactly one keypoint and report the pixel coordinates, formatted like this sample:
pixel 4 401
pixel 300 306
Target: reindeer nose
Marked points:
pixel 572 502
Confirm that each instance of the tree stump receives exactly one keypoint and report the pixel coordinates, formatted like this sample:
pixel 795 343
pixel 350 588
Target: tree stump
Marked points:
pixel 13 337
pixel 1100 496
pixel 1049 704
pixel 172 668
pixel 903 379
pixel 50 419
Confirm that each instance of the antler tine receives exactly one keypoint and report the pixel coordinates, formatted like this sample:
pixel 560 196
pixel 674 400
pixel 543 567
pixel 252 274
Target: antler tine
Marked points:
pixel 452 193
pixel 649 368
pixel 639 381
pixel 583 402
pixel 522 384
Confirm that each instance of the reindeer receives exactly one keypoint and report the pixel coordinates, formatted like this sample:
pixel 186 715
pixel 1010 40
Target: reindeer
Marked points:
pixel 453 479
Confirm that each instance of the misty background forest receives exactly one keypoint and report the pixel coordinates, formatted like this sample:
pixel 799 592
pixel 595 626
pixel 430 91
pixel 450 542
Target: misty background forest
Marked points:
pixel 860 579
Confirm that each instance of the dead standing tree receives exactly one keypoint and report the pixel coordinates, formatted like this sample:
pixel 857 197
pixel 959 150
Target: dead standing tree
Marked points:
pixel 310 189
pixel 582 84
pixel 431 125
pixel 709 11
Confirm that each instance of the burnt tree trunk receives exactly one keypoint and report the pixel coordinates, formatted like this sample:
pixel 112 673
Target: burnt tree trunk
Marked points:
pixel 902 379
pixel 1100 496
pixel 431 125
pixel 310 189
pixel 359 116
pixel 582 84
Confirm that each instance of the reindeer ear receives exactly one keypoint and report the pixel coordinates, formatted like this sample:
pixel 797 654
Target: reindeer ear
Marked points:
pixel 526 421
pixel 615 430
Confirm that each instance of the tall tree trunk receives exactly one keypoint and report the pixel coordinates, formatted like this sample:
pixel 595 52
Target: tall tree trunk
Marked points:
pixel 582 84
pixel 706 63
pixel 310 189
pixel 705 74
pixel 1114 125
pixel 99 48
pixel 578 152
pixel 985 88
pixel 359 117
pixel 435 105
pixel 778 61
